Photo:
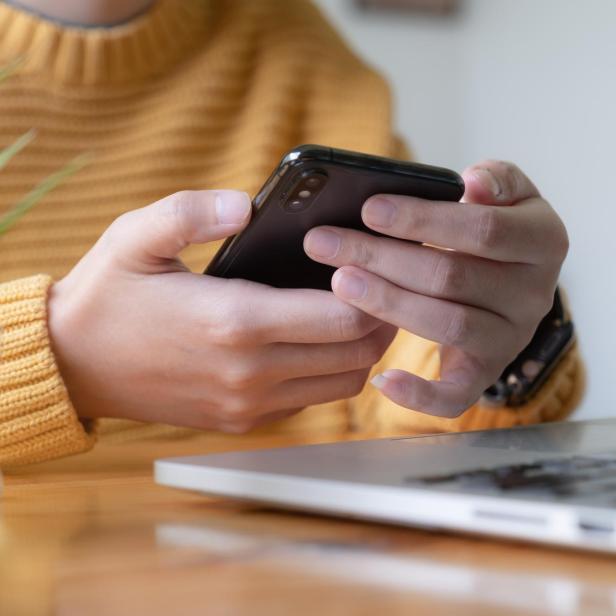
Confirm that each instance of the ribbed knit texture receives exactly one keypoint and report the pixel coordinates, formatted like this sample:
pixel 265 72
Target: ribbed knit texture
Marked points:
pixel 194 94
pixel 35 413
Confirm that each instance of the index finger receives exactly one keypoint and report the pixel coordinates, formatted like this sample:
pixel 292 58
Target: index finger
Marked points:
pixel 520 234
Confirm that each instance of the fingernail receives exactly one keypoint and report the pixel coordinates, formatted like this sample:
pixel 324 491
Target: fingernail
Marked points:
pixel 323 243
pixel 232 207
pixel 379 212
pixel 350 286
pixel 489 181
pixel 379 381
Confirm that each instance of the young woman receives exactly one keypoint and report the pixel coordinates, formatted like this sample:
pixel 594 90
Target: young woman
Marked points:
pixel 187 106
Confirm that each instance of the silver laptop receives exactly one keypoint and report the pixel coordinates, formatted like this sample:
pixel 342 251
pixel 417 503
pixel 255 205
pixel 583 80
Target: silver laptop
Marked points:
pixel 551 483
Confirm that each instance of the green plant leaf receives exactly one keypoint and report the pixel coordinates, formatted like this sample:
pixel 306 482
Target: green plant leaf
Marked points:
pixel 8 69
pixel 15 147
pixel 41 189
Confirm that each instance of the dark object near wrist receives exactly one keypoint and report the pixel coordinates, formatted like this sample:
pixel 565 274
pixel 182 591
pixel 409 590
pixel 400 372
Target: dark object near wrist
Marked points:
pixel 525 375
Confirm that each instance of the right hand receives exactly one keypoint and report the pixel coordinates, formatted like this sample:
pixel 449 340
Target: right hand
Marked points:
pixel 138 336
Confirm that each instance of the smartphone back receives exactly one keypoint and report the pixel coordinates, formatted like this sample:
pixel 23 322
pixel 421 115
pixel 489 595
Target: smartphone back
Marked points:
pixel 314 186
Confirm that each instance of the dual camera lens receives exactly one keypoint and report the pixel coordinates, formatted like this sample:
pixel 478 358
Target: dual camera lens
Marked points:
pixel 305 191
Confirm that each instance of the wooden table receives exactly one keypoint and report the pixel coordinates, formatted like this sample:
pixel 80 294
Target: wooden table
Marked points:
pixel 94 535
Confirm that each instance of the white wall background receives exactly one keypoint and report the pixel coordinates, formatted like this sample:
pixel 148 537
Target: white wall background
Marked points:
pixel 529 81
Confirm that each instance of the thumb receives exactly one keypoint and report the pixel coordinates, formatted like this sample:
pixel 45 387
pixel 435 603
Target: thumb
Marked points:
pixel 495 182
pixel 162 230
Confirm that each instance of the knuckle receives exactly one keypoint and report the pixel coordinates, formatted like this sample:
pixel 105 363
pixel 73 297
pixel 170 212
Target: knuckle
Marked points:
pixel 117 239
pixel 460 408
pixel 176 202
pixel 174 210
pixel 491 229
pixel 530 313
pixel 469 398
pixel 519 334
pixel 415 222
pixel 120 223
pixel 419 398
pixel 375 349
pixel 237 426
pixel 449 277
pixel 561 242
pixel 542 304
pixel 386 304
pixel 459 403
pixel 117 230
pixel 234 330
pixel 364 254
pixel 238 408
pixel 539 297
pixel 458 328
pixel 368 351
pixel 522 340
pixel 241 376
pixel 355 383
pixel 351 324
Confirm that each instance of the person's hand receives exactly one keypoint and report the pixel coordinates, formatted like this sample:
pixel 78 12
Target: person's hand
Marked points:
pixel 138 336
pixel 480 286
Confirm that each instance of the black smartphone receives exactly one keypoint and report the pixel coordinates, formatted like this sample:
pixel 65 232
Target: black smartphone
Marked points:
pixel 316 185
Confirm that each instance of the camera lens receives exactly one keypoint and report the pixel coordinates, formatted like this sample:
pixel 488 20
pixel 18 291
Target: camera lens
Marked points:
pixel 295 206
pixel 313 181
pixel 304 191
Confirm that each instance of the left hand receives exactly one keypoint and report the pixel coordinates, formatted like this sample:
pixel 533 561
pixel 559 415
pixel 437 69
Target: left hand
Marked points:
pixel 480 284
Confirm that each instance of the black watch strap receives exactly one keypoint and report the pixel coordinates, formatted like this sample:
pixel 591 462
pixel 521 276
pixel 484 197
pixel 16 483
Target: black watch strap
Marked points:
pixel 523 377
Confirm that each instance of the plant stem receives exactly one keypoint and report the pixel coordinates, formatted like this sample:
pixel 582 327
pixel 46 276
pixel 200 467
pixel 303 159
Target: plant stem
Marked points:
pixel 16 147
pixel 40 190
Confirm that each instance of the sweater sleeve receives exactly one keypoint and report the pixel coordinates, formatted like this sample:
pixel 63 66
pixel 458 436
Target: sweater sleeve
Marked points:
pixel 37 420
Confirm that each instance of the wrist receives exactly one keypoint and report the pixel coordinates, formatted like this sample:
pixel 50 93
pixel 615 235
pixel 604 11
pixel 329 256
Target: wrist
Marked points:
pixel 63 334
pixel 526 374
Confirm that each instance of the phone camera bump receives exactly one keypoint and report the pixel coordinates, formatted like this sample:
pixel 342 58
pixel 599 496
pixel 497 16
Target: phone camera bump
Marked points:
pixel 295 205
pixel 305 191
pixel 313 181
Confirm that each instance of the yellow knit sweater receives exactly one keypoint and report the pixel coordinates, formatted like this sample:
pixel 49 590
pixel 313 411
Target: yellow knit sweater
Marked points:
pixel 194 94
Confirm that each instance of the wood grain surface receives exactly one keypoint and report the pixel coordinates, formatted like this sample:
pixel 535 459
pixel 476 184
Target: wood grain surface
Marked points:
pixel 93 535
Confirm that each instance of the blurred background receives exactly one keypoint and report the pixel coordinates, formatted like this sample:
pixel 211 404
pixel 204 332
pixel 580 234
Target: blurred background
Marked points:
pixel 526 81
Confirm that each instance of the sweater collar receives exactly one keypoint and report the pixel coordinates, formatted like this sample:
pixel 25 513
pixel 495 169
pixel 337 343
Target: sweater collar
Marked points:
pixel 129 52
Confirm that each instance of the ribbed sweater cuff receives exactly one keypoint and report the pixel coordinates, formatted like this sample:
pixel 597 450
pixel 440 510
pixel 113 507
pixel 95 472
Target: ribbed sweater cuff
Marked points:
pixel 37 420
